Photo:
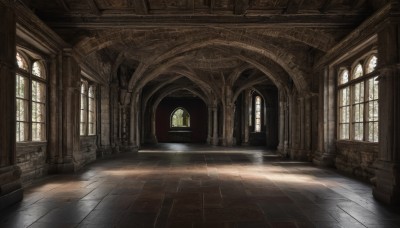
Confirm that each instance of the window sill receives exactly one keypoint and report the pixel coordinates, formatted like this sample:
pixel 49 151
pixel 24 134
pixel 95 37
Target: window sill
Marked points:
pixel 27 143
pixel 343 141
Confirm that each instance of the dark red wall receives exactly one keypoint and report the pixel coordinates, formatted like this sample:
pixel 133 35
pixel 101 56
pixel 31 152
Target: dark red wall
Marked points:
pixel 198 117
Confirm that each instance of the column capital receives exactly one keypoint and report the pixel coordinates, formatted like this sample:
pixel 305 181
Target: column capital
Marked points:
pixel 388 70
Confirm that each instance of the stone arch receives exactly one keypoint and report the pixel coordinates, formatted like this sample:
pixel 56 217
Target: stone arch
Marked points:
pixel 272 52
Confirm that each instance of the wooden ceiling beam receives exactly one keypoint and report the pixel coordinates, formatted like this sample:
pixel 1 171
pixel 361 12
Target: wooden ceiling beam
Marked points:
pixel 93 7
pixel 293 6
pixel 357 4
pixel 325 6
pixel 241 6
pixel 63 5
pixel 141 7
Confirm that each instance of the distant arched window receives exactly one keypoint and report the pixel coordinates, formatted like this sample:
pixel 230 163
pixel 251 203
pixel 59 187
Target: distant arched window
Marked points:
pixel 180 118
pixel 88 108
pixel 358 107
pixel 257 127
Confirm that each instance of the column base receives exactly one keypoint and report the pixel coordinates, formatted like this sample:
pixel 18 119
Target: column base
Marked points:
pixel 214 141
pixel 104 151
pixel 299 154
pixel 325 160
pixel 10 186
pixel 127 149
pixel 387 188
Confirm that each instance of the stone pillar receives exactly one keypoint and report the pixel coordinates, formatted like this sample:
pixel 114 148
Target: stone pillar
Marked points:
pixel 387 188
pixel 215 126
pixel 229 124
pixel 153 126
pixel 282 114
pixel 55 114
pixel 325 155
pixel 10 184
pixel 246 110
pixel 209 127
pixel 71 82
pixel 114 117
pixel 104 121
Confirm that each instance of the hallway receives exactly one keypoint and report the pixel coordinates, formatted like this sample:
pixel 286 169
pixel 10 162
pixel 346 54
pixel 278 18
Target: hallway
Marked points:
pixel 180 185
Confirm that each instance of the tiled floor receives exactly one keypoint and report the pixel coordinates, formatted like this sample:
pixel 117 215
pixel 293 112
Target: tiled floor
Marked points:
pixel 176 185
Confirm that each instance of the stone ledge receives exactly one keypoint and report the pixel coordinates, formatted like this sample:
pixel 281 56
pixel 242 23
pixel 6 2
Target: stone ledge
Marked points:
pixel 11 198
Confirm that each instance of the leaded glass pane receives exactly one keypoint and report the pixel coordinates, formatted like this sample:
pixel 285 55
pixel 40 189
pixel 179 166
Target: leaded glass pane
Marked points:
pixel 344 131
pixel 22 131
pixel 358 131
pixel 22 110
pixel 358 71
pixel 38 112
pixel 371 65
pixel 344 77
pixel 21 87
pixel 359 92
pixel 38 70
pixel 21 62
pixel 38 91
pixel 38 132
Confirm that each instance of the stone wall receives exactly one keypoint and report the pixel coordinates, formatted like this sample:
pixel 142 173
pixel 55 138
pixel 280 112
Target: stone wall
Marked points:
pixel 31 158
pixel 88 150
pixel 356 158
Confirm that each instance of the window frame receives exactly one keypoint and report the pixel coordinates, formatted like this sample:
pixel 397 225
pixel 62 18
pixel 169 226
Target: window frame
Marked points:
pixel 30 78
pixel 172 114
pixel 351 84
pixel 85 111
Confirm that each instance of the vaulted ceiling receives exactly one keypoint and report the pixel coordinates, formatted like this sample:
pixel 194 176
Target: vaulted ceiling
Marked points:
pixel 157 41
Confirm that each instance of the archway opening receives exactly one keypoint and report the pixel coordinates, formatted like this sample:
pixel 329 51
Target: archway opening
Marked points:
pixel 181 117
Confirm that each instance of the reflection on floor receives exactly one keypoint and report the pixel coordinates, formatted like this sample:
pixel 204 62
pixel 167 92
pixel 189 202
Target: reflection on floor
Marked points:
pixel 199 186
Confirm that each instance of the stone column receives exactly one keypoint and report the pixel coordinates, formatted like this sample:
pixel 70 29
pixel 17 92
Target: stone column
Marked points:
pixel 104 121
pixel 246 106
pixel 215 126
pixel 325 155
pixel 153 125
pixel 71 82
pixel 10 184
pixel 229 124
pixel 55 114
pixel 114 117
pixel 387 188
pixel 282 113
pixel 209 127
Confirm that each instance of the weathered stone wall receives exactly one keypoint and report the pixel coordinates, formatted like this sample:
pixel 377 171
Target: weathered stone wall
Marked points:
pixel 31 158
pixel 88 150
pixel 356 158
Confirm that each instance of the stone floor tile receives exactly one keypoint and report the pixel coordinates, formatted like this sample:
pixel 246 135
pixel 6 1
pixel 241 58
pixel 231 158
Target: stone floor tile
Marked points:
pixel 201 187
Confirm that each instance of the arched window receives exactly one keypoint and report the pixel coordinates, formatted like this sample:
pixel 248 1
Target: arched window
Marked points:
pixel 358 102
pixel 257 122
pixel 31 97
pixel 180 118
pixel 92 110
pixel 344 77
pixel 371 64
pixel 358 71
pixel 84 108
